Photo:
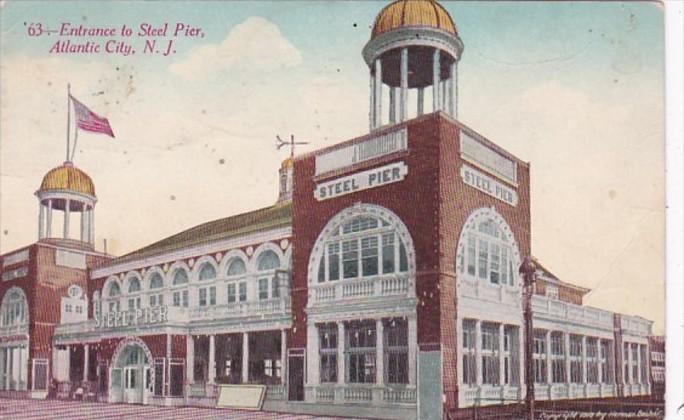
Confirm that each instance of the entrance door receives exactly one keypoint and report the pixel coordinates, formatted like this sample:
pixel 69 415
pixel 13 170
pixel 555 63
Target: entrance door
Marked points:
pixel 133 385
pixel 295 378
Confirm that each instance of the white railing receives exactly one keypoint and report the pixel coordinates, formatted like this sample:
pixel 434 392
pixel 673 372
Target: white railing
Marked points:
pixel 259 307
pixel 354 394
pixel 399 395
pixel 583 315
pixel 275 392
pixel 14 330
pixel 635 325
pixel 75 327
pixel 380 286
pixel 484 290
pixel 494 394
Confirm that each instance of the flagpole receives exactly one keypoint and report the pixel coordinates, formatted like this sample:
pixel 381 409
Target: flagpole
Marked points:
pixel 73 149
pixel 68 119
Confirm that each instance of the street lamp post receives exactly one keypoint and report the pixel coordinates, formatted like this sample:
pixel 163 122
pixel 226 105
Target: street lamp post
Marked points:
pixel 528 269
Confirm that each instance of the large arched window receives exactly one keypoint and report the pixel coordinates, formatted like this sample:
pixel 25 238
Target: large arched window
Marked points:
pixel 364 246
pixel 156 290
pixel 268 286
pixel 207 295
pixel 236 291
pixel 487 250
pixel 180 287
pixel 133 293
pixel 113 295
pixel 14 309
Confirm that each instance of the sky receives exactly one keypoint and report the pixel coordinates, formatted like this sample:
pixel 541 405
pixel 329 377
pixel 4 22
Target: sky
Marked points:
pixel 575 88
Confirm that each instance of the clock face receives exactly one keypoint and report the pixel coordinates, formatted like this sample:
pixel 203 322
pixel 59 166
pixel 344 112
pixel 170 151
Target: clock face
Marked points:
pixel 75 291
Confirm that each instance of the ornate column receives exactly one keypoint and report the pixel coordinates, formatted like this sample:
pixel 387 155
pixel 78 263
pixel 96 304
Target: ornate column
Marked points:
pixel 245 358
pixel 83 224
pixel 190 357
pixel 404 85
pixel 66 218
pixel 283 356
pixel 392 105
pixel 412 349
pixel 379 352
pixel 341 342
pixel 86 357
pixel 502 376
pixel 68 363
pixel 212 359
pixel 549 370
pixel 377 89
pixel 435 79
pixel 478 352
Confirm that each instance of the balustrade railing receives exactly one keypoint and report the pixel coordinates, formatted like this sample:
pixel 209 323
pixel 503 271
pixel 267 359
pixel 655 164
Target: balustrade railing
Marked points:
pixel 380 286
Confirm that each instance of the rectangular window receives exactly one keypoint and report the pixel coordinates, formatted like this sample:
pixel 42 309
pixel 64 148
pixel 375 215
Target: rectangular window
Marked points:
pixel 361 340
pixel 575 359
pixel 396 351
pixel 185 298
pixel 539 357
pixel 469 368
pixel 403 258
pixel 334 261
pixel 231 293
pixel 483 259
pixel 327 335
pixel 494 267
pixel 176 299
pixel 644 364
pixel 212 295
pixel 350 259
pixel 67 307
pixel 471 255
pixel 635 366
pixel 504 266
pixel 153 300
pixel 557 358
pixel 263 289
pixel 592 360
pixel 202 297
pixel 369 256
pixel 490 353
pixel 511 356
pixel 242 289
pixel 388 253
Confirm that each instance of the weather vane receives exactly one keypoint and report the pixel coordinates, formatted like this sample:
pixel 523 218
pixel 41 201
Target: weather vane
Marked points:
pixel 281 143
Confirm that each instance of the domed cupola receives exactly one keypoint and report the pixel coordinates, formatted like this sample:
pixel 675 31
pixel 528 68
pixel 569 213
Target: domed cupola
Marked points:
pixel 413 58
pixel 69 190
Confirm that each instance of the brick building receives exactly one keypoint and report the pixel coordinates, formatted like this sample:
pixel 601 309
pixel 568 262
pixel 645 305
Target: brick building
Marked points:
pixel 383 283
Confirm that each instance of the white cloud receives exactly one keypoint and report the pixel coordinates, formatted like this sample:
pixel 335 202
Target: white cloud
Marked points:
pixel 253 45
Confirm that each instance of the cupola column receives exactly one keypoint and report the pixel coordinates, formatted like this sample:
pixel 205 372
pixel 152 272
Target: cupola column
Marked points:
pixel 91 227
pixel 378 92
pixel 421 101
pixel 435 80
pixel 66 218
pixel 48 230
pixel 41 221
pixel 453 97
pixel 404 84
pixel 392 105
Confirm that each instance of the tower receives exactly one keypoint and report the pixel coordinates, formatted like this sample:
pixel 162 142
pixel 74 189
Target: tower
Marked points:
pixel 413 57
pixel 66 189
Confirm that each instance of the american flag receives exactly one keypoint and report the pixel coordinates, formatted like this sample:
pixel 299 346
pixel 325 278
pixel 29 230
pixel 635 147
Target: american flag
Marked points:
pixel 89 121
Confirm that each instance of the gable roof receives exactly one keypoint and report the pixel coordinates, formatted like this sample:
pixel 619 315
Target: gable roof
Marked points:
pixel 267 218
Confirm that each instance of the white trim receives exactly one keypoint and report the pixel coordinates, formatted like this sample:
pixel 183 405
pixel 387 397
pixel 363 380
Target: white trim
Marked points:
pixel 194 274
pixel 195 251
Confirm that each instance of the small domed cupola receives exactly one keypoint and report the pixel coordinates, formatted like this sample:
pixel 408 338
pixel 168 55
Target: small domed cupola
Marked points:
pixel 69 190
pixel 286 180
pixel 413 56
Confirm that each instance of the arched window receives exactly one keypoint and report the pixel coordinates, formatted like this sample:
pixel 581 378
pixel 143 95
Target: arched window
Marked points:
pixel 236 291
pixel 207 272
pixel 97 304
pixel 268 260
pixel 236 267
pixel 207 295
pixel 156 294
pixel 133 294
pixel 14 309
pixel 488 250
pixel 134 285
pixel 268 285
pixel 113 294
pixel 364 246
pixel 180 283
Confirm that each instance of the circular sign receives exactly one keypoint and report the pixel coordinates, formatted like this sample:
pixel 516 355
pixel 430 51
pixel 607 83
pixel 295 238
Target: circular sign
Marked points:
pixel 75 291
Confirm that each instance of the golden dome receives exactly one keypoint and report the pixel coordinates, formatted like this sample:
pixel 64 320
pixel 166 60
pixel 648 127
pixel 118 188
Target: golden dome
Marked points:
pixel 408 13
pixel 287 163
pixel 68 177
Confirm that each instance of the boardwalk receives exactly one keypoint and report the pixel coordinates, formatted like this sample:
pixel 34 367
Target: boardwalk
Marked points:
pixel 52 409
